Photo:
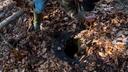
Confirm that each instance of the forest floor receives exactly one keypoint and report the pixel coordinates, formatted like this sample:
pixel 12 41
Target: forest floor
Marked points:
pixel 104 42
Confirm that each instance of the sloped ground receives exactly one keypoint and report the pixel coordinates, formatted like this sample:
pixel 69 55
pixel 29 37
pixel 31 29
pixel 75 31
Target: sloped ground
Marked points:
pixel 104 42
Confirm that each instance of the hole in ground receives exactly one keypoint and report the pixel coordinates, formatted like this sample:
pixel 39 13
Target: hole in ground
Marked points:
pixel 71 47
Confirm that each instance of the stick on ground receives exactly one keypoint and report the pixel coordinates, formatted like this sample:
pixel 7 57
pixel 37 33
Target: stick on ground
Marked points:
pixel 11 18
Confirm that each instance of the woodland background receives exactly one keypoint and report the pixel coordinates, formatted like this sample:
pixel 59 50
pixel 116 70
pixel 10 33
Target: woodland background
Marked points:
pixel 104 42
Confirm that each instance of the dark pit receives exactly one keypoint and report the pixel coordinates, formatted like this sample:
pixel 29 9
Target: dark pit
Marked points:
pixel 71 47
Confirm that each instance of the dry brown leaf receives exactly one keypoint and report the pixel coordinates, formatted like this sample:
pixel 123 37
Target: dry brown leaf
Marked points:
pixel 102 54
pixel 115 21
pixel 45 17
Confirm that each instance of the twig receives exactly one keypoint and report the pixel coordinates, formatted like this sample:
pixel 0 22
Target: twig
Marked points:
pixel 1 35
pixel 11 18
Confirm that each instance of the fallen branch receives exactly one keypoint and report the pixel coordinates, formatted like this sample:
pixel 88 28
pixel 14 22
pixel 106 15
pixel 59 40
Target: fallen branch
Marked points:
pixel 11 18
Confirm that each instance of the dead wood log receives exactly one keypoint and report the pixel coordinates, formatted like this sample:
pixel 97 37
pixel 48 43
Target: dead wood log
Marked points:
pixel 11 18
